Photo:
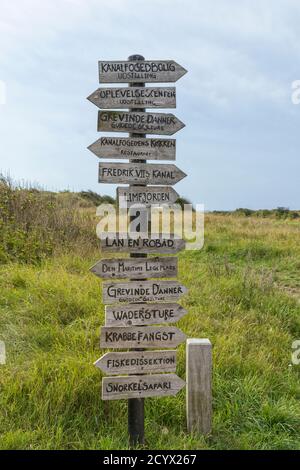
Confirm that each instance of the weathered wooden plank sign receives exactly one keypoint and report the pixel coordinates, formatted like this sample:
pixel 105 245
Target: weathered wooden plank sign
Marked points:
pixel 137 362
pixel 134 148
pixel 134 97
pixel 143 314
pixel 163 245
pixel 131 173
pixel 150 71
pixel 140 123
pixel 140 337
pixel 135 268
pixel 135 386
pixel 146 195
pixel 143 291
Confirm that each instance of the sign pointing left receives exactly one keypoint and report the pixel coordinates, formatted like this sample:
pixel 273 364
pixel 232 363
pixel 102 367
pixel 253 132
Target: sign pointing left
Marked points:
pixel 134 147
pixel 134 97
pixel 143 314
pixel 137 362
pixel 136 268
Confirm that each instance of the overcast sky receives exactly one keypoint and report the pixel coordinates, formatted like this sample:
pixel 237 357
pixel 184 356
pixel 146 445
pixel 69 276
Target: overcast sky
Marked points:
pixel 240 146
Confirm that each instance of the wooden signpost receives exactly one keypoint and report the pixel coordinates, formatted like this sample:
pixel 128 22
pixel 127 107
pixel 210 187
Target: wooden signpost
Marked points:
pixel 130 321
pixel 138 268
pixel 141 123
pixel 134 97
pixel 134 148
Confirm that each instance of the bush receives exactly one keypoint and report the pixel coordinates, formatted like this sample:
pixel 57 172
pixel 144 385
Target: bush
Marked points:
pixel 244 211
pixel 181 201
pixel 34 223
pixel 96 199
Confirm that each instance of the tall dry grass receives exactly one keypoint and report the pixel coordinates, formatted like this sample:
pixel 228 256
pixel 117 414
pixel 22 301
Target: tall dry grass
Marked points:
pixel 35 224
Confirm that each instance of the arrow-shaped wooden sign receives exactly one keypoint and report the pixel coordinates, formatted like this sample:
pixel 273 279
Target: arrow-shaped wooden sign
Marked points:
pixel 135 268
pixel 140 123
pixel 143 291
pixel 140 71
pixel 134 97
pixel 135 386
pixel 133 173
pixel 143 314
pixel 141 337
pixel 164 245
pixel 146 195
pixel 137 362
pixel 134 147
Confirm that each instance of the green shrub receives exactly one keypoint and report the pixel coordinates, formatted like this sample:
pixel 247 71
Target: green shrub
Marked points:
pixel 34 223
pixel 96 199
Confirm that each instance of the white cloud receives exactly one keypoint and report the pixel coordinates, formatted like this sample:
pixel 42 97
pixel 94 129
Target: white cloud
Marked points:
pixel 241 58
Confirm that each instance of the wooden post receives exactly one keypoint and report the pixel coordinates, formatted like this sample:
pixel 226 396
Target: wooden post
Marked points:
pixel 199 383
pixel 139 174
pixel 136 413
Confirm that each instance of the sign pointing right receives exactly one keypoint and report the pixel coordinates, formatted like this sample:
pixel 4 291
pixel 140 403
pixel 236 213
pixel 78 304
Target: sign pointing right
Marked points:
pixel 139 173
pixel 119 337
pixel 141 123
pixel 123 71
pixel 143 314
pixel 137 386
pixel 142 291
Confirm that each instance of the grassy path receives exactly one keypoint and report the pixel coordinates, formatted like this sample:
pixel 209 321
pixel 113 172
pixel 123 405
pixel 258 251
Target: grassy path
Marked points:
pixel 244 295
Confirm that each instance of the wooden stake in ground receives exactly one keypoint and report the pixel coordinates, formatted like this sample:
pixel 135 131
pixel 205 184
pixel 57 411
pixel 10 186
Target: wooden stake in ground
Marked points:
pixel 198 378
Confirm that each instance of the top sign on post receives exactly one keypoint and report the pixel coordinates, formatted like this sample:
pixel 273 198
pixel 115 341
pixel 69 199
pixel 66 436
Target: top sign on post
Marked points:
pixel 140 71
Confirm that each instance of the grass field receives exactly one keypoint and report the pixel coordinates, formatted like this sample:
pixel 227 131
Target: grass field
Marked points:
pixel 244 292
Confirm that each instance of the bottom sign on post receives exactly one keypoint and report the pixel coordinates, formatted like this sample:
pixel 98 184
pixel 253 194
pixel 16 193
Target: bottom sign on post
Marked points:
pixel 137 386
